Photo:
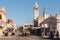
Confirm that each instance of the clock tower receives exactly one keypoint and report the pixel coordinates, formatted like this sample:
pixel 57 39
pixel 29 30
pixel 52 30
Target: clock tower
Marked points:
pixel 36 14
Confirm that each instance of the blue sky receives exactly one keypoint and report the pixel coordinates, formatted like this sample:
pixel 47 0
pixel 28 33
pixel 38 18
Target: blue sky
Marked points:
pixel 21 11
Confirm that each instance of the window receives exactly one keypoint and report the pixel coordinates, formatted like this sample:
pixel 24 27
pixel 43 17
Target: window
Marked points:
pixel 0 17
pixel 36 8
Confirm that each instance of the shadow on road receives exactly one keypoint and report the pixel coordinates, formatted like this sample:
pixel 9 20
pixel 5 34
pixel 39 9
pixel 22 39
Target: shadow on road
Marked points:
pixel 55 39
pixel 52 38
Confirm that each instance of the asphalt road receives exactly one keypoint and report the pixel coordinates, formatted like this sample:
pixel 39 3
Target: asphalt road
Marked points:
pixel 25 38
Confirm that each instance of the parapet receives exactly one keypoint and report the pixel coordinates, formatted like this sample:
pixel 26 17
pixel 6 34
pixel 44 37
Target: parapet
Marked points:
pixel 3 9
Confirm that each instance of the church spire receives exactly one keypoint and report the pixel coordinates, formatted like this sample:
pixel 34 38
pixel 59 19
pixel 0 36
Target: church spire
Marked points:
pixel 44 10
pixel 36 5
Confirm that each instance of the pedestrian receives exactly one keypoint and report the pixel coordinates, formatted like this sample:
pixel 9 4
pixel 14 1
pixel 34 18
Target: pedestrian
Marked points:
pixel 51 34
pixel 57 34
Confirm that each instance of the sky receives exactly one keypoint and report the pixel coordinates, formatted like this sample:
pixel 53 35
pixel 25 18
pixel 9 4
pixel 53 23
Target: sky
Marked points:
pixel 21 11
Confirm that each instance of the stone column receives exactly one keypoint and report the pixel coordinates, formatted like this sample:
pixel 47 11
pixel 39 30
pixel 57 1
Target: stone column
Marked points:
pixel 58 23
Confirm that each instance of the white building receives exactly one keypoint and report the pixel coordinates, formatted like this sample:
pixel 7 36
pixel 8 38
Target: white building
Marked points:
pixel 47 21
pixel 58 22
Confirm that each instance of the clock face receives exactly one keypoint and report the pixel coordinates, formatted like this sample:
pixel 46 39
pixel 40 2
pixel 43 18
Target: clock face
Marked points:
pixel 36 8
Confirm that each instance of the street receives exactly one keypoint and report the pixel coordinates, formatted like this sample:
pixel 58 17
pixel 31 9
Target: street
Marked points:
pixel 21 38
pixel 25 38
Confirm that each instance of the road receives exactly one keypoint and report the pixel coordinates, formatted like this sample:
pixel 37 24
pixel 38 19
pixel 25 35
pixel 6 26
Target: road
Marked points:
pixel 20 38
pixel 25 38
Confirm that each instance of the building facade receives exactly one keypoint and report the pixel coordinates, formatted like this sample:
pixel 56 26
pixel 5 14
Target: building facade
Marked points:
pixel 46 21
pixel 3 23
pixel 58 23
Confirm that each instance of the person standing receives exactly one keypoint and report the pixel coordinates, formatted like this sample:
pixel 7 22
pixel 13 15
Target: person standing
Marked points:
pixel 57 34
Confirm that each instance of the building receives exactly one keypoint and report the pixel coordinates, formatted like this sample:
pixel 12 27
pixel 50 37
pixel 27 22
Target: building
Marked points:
pixel 58 23
pixel 3 23
pixel 46 21
pixel 11 24
pixel 27 25
pixel 36 14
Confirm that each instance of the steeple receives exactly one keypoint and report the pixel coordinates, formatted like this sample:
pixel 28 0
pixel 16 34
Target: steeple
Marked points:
pixel 36 5
pixel 44 10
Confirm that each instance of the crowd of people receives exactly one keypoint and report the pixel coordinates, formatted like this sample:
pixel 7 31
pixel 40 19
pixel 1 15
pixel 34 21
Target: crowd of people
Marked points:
pixel 53 34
